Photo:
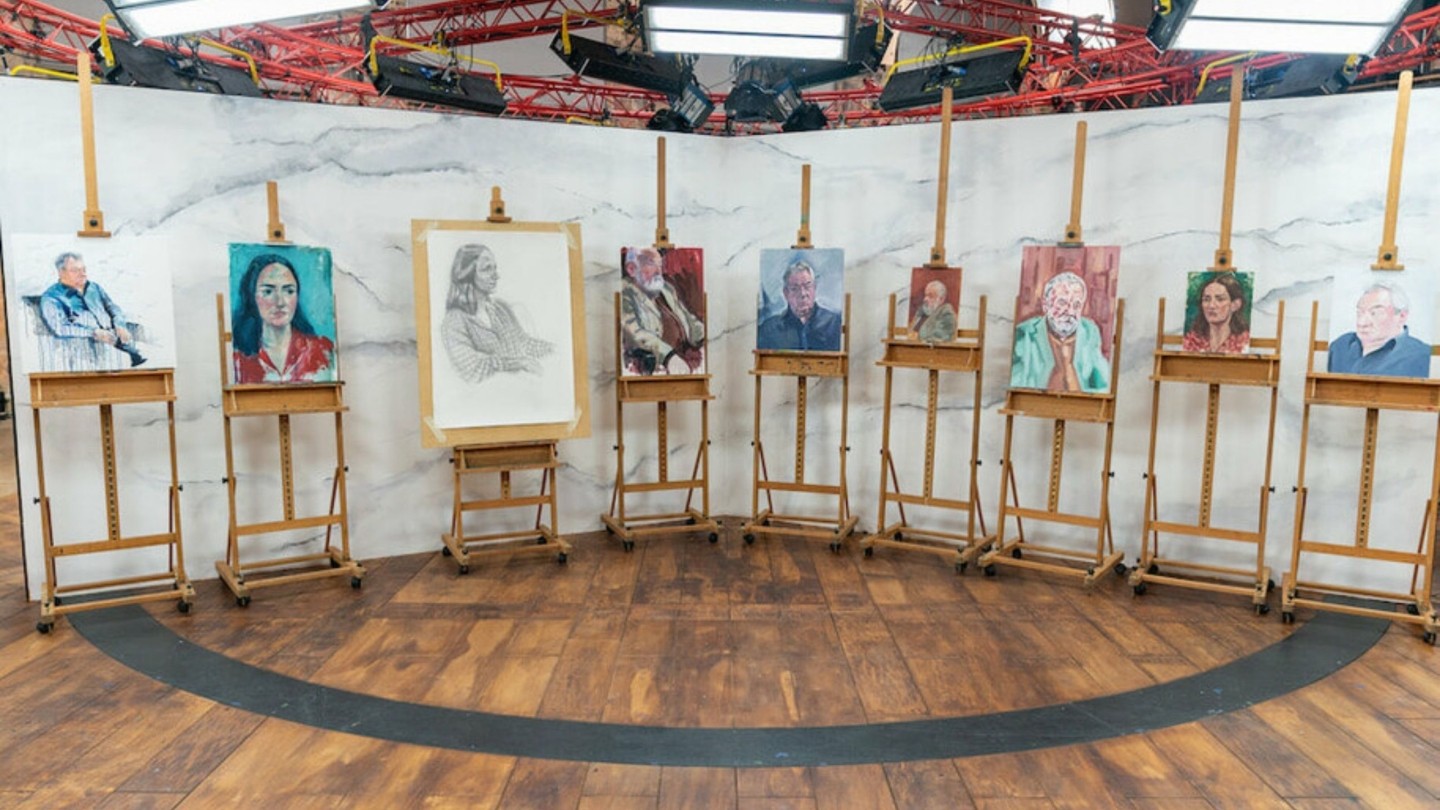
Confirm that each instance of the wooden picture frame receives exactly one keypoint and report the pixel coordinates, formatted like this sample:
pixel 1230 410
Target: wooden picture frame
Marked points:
pixel 537 369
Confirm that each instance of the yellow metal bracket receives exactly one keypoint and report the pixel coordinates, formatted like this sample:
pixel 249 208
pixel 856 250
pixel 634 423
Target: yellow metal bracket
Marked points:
pixel 374 57
pixel 967 49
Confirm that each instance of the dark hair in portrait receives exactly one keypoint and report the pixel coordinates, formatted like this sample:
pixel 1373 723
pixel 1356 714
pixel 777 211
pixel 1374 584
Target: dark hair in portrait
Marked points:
pixel 464 293
pixel 1233 284
pixel 246 318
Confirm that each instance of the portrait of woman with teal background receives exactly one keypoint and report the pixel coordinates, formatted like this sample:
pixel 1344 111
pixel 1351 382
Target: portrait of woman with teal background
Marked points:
pixel 282 314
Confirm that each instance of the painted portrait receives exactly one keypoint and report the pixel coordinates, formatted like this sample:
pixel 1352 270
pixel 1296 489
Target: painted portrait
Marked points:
pixel 662 311
pixel 802 295
pixel 500 331
pixel 1217 312
pixel 91 304
pixel 1065 318
pixel 282 315
pixel 934 304
pixel 1381 323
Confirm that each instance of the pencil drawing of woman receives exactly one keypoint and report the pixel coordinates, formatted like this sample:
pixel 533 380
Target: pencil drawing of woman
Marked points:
pixel 482 335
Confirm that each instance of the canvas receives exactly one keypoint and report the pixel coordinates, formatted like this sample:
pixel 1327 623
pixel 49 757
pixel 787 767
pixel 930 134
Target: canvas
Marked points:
pixel 1065 318
pixel 282 315
pixel 500 331
pixel 662 311
pixel 1381 323
pixel 1217 312
pixel 934 304
pixel 802 295
pixel 107 307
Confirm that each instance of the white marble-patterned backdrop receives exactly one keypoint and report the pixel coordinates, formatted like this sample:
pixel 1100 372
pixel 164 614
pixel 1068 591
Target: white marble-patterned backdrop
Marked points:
pixel 192 168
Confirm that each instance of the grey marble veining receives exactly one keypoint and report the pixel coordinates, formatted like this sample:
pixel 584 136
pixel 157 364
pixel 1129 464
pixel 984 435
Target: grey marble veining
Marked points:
pixel 192 169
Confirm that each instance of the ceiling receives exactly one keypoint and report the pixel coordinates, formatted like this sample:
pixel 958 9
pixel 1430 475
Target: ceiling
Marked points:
pixel 1077 64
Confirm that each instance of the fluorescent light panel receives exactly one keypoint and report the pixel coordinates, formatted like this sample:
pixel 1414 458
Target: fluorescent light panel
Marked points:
pixel 744 21
pixel 775 29
pixel 746 44
pixel 1372 12
pixel 162 18
pixel 1278 37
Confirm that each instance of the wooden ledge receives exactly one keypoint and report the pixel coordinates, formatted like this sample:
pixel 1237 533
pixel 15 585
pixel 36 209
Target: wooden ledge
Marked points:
pixel 1362 391
pixel 1060 405
pixel 61 389
pixel 283 398
pixel 801 364
pixel 1224 369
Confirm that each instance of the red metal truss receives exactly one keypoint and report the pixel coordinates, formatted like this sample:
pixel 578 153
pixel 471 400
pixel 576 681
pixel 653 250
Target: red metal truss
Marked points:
pixel 1099 66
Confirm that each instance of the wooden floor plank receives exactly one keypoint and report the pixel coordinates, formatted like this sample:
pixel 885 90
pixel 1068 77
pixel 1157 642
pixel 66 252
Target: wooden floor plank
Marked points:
pixel 697 788
pixel 927 785
pixel 852 787
pixel 1219 775
pixel 542 785
pixel 1274 757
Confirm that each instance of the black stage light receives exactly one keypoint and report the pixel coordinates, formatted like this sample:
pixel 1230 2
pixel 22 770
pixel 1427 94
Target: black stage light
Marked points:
pixel 1311 76
pixel 979 76
pixel 401 78
pixel 808 117
pixel 142 66
pixel 588 57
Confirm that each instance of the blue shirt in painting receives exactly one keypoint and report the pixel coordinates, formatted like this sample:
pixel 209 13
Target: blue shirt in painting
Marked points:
pixel 1401 356
pixel 69 313
pixel 785 332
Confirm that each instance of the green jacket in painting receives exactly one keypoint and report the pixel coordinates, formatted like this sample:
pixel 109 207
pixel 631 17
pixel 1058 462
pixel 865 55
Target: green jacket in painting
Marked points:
pixel 1032 362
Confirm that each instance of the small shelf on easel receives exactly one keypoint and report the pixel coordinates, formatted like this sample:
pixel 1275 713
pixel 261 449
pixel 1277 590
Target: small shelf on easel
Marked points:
pixel 503 460
pixel 50 390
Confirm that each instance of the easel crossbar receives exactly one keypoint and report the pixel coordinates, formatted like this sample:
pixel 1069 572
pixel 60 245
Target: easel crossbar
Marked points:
pixel 1043 515
pixel 921 500
pixel 1203 531
pixel 282 561
pixel 503 503
pixel 139 541
pixel 283 525
pixel 790 486
pixel 1367 552
pixel 663 486
pixel 138 579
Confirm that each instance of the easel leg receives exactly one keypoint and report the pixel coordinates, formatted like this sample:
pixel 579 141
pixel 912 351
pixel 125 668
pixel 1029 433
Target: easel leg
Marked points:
pixel 1057 459
pixel 1207 472
pixel 1367 478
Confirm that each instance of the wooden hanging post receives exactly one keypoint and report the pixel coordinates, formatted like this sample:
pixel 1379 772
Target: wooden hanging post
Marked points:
pixel 1259 367
pixel 94 219
pixel 1061 407
pixel 1375 394
pixel 660 390
pixel 801 366
pixel 282 401
pixel 964 354
pixel 503 460
pixel 63 389
pixel 1074 235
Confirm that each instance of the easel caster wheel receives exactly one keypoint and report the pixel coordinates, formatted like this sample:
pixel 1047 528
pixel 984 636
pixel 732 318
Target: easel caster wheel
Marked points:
pixel 1017 553
pixel 690 521
pixel 1121 570
pixel 540 541
pixel 714 537
pixel 960 567
pixel 561 558
pixel 990 570
pixel 59 601
pixel 1287 616
pixel 446 552
pixel 899 535
pixel 243 601
pixel 356 582
pixel 628 545
pixel 765 522
pixel 1262 609
pixel 1155 569
pixel 182 606
pixel 609 530
pixel 1412 609
pixel 1429 637
pixel 1141 588
pixel 334 563
pixel 44 627
pixel 835 547
pixel 464 569
pixel 749 539
pixel 870 552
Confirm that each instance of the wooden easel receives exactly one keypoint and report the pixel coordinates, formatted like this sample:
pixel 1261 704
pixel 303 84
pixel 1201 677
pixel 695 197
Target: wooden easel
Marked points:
pixel 801 366
pixel 1259 368
pixel 282 401
pixel 105 390
pixel 965 355
pixel 660 391
pixel 1062 407
pixel 503 459
pixel 1374 394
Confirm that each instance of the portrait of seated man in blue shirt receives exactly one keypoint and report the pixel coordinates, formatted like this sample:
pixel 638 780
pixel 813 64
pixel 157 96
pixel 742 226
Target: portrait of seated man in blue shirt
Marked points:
pixel 1381 343
pixel 805 325
pixel 75 308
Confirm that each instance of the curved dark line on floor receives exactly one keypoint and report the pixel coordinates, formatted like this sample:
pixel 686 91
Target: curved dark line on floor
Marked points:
pixel 1320 647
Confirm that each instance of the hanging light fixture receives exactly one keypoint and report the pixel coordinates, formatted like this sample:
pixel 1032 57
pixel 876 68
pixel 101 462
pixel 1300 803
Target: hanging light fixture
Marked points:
pixel 1275 26
pixel 781 29
pixel 148 19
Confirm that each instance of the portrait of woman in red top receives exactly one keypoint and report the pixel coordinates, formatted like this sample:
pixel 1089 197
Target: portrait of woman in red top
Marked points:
pixel 272 340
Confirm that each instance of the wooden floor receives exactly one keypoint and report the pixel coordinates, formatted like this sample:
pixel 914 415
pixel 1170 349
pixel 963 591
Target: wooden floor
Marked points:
pixel 684 633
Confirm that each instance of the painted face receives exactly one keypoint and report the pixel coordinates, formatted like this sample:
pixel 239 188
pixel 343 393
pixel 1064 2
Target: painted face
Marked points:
pixel 647 272
pixel 800 294
pixel 934 297
pixel 487 276
pixel 1377 320
pixel 1216 303
pixel 72 275
pixel 275 293
pixel 1063 308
